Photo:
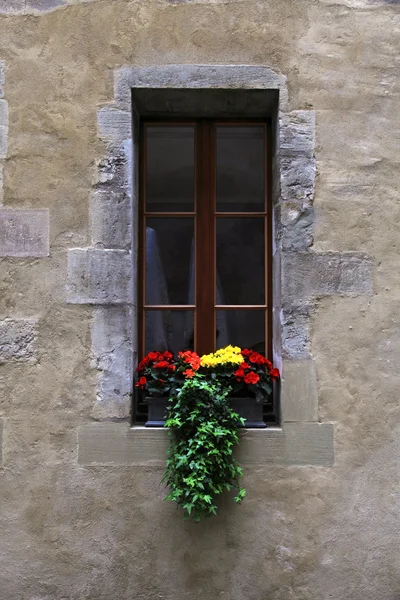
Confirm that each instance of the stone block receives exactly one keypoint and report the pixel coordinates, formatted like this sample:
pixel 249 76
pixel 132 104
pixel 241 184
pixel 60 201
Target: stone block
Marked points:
pixel 299 391
pixel 296 331
pixel 1 181
pixel 110 219
pixel 3 113
pixel 24 232
pixel 116 444
pixel 113 357
pixel 114 125
pixel 196 76
pixel 45 5
pixel 3 141
pixel 297 178
pixel 297 226
pixel 309 274
pixel 297 133
pixel 11 7
pixel 17 340
pixel 1 440
pixel 2 77
pixel 99 276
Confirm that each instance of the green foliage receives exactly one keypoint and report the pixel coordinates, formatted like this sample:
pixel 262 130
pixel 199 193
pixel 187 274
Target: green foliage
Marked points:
pixel 200 463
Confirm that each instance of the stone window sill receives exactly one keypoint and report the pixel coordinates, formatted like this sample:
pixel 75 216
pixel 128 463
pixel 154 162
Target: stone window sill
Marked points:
pixel 118 444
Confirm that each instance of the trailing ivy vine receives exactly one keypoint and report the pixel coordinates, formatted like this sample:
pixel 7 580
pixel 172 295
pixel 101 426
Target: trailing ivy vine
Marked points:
pixel 204 430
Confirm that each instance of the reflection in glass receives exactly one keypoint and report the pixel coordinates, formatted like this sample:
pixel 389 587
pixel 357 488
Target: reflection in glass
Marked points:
pixel 240 168
pixel 240 259
pixel 171 330
pixel 169 168
pixel 168 250
pixel 246 328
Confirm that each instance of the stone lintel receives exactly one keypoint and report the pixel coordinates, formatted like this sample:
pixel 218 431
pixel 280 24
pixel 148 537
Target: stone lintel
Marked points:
pixel 312 274
pixel 17 340
pixel 195 77
pixel 97 276
pixel 24 233
pixel 299 391
pixel 116 444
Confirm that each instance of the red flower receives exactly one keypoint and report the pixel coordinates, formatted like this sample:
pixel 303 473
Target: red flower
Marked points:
pixel 244 365
pixel 239 373
pixel 141 383
pixel 256 358
pixel 189 373
pixel 161 381
pixel 246 352
pixel 168 355
pixel 268 363
pixel 252 378
pixel 275 373
pixel 161 365
pixel 153 355
pixel 171 368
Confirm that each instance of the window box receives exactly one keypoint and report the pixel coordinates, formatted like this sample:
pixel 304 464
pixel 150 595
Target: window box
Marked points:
pixel 248 408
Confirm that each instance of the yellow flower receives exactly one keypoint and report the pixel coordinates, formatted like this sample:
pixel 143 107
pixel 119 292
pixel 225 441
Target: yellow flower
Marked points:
pixel 227 355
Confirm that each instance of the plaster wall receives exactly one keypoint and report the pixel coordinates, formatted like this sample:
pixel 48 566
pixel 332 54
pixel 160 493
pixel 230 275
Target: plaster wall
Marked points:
pixel 72 528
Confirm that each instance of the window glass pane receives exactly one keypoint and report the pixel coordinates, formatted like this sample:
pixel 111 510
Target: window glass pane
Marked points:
pixel 169 260
pixel 169 168
pixel 244 328
pixel 240 168
pixel 240 260
pixel 171 330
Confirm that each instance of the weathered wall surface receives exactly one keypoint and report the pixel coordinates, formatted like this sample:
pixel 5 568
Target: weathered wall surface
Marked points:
pixel 70 531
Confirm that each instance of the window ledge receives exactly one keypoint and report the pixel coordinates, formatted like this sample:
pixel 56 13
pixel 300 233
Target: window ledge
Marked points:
pixel 117 444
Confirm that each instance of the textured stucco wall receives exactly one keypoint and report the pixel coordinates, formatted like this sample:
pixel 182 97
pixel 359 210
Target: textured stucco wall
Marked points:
pixel 70 531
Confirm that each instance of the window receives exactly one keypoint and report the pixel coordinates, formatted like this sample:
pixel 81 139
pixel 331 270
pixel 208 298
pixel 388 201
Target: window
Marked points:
pixel 205 236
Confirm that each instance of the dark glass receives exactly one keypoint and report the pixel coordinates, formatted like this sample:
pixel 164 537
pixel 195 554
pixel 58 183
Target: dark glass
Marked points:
pixel 240 260
pixel 244 328
pixel 169 259
pixel 170 168
pixel 240 168
pixel 171 330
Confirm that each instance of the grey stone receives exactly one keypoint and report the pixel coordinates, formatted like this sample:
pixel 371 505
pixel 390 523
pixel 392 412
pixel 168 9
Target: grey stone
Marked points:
pixel 3 141
pixel 297 133
pixel 99 276
pixel 309 274
pixel 1 182
pixel 1 440
pixel 299 394
pixel 45 5
pixel 296 331
pixel 112 170
pixel 24 232
pixel 11 7
pixel 196 76
pixel 3 113
pixel 113 358
pixel 297 226
pixel 114 125
pixel 297 444
pixel 298 178
pixel 17 340
pixel 110 219
pixel 2 77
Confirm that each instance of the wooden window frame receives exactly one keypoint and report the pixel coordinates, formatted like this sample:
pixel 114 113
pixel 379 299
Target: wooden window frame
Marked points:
pixel 205 218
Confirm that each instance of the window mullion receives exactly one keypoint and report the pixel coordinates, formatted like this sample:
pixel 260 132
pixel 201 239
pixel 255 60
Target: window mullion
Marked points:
pixel 205 243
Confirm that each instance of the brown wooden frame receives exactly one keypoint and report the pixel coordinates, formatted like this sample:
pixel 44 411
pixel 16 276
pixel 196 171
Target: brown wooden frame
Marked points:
pixel 205 216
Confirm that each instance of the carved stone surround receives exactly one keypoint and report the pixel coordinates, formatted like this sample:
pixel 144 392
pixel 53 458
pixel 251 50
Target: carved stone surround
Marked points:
pixel 104 274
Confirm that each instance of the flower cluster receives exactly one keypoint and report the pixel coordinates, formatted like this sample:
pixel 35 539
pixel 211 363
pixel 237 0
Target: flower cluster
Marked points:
pixel 159 373
pixel 191 361
pixel 228 355
pixel 154 370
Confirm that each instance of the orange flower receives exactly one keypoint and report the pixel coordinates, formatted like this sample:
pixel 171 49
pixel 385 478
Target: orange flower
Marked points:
pixel 189 373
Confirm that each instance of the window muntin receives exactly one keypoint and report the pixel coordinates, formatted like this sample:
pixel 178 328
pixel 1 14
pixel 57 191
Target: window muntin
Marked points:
pixel 204 251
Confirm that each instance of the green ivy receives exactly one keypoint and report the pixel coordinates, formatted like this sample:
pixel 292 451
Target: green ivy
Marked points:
pixel 200 463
